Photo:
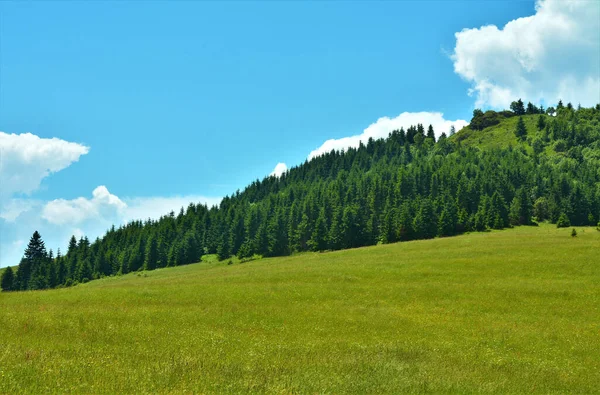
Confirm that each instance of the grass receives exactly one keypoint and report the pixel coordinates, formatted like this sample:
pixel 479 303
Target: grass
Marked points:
pixel 509 311
pixel 499 136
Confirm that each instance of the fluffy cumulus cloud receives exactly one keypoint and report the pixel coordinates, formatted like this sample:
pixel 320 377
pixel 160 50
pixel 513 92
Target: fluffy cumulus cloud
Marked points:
pixel 103 204
pixel 27 159
pixel 551 55
pixel 384 126
pixel 279 169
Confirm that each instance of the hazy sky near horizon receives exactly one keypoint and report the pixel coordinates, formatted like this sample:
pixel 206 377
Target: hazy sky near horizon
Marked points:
pixel 113 111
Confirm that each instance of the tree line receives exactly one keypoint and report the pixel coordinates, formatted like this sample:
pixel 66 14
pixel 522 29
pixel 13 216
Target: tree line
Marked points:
pixel 405 187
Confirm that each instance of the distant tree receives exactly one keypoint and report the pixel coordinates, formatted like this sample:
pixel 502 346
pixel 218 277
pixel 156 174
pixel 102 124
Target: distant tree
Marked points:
pixel 531 109
pixel 151 256
pixel 425 223
pixel 7 280
pixel 224 248
pixel 541 123
pixel 30 274
pixel 538 146
pixel 563 221
pixel 419 139
pixel 448 219
pixel 540 209
pixel 452 130
pixel 318 240
pixel 520 209
pixel 517 107
pixel 521 130
pixel 430 133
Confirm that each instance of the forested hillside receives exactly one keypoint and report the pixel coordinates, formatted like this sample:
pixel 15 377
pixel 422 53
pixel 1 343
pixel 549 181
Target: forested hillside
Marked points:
pixel 506 169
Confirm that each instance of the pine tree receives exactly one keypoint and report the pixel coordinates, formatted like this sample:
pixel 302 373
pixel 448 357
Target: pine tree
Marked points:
pixel 447 221
pixel 425 222
pixel 151 258
pixel 277 235
pixel 541 122
pixel 521 130
pixel 430 133
pixel 224 248
pixel 318 240
pixel 30 273
pixel 7 280
pixel 563 221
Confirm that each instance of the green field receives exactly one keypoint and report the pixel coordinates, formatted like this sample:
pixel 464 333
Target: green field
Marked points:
pixel 513 311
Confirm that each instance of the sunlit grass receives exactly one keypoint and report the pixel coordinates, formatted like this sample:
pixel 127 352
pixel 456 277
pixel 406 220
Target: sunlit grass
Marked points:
pixel 502 312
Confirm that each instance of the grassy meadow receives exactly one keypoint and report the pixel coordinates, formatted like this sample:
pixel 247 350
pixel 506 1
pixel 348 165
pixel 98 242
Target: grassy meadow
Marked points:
pixel 513 311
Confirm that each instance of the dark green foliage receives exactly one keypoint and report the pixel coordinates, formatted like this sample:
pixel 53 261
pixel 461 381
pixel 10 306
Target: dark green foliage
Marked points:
pixel 318 241
pixel 540 209
pixel 563 221
pixel 521 208
pixel 7 281
pixel 402 188
pixel 541 122
pixel 517 107
pixel 521 130
pixel 151 258
pixel 425 222
pixel 482 120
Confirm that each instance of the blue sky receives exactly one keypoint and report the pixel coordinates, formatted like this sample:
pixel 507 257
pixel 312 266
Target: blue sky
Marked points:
pixel 161 103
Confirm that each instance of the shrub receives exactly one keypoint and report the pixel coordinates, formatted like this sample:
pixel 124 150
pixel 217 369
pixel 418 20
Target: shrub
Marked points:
pixel 563 221
pixel 482 120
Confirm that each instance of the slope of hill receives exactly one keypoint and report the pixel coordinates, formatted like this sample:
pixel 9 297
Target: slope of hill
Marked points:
pixel 409 186
pixel 500 135
pixel 511 311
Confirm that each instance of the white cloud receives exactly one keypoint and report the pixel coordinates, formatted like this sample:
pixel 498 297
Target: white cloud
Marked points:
pixel 26 159
pixel 384 126
pixel 279 169
pixel 551 55
pixel 102 204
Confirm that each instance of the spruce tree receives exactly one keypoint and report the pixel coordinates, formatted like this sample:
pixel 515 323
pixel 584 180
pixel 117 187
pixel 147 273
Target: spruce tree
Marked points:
pixel 30 273
pixel 318 240
pixel 7 280
pixel 430 133
pixel 541 122
pixel 151 258
pixel 521 130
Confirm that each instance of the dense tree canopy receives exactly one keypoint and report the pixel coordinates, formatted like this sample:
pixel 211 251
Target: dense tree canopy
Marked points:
pixel 405 187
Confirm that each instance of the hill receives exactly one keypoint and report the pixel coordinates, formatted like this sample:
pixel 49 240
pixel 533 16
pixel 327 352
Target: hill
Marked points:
pixel 506 169
pixel 512 311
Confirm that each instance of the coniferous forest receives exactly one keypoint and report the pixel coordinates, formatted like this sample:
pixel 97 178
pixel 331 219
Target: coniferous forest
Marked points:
pixel 405 187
